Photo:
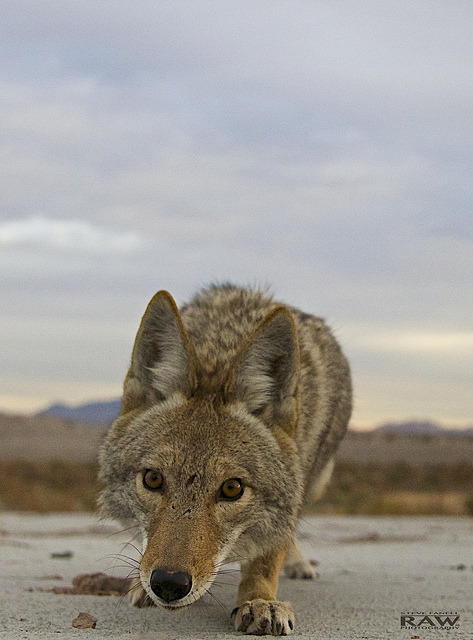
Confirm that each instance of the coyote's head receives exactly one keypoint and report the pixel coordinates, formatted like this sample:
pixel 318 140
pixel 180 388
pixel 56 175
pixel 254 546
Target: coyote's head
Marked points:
pixel 204 461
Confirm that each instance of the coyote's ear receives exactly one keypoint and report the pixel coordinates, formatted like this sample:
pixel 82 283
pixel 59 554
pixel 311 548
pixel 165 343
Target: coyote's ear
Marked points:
pixel 265 372
pixel 163 358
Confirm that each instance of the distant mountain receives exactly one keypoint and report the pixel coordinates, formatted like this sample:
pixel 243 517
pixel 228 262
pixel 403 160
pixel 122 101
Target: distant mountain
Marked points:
pixel 420 427
pixel 106 412
pixel 93 412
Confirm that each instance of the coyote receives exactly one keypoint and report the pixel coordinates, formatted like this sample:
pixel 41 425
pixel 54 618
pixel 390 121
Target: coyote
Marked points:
pixel 233 408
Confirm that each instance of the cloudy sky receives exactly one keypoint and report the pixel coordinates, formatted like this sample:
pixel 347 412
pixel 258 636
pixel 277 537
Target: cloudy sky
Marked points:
pixel 322 147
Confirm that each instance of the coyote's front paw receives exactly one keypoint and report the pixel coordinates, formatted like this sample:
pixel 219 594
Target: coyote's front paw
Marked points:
pixel 301 570
pixel 263 617
pixel 137 596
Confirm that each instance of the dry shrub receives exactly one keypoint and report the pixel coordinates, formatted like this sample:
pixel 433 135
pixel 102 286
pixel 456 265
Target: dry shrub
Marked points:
pixel 48 486
pixel 398 488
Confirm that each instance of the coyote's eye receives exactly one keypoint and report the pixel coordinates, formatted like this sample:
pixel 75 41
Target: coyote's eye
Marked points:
pixel 152 480
pixel 232 489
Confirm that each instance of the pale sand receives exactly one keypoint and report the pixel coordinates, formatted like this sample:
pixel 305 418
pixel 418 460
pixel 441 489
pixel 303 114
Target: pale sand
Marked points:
pixel 371 569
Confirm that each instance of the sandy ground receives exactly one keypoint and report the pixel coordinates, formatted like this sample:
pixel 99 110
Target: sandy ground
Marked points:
pixel 371 570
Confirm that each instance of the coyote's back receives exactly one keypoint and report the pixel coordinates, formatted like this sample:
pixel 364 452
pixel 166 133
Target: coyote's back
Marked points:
pixel 233 409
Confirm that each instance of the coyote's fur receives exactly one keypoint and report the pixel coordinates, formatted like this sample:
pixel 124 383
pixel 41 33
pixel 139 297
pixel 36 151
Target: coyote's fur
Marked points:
pixel 233 408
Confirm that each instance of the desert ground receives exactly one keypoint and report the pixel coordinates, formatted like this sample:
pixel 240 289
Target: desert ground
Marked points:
pixel 372 570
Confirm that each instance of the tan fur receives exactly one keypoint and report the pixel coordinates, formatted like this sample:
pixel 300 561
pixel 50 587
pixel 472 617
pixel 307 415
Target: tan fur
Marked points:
pixel 320 484
pixel 234 385
pixel 260 577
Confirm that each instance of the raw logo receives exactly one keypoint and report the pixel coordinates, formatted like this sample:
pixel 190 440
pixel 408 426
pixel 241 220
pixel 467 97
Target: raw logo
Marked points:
pixel 430 620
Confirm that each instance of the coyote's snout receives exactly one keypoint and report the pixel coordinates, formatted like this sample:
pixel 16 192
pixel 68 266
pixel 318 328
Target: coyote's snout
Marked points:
pixel 233 408
pixel 180 557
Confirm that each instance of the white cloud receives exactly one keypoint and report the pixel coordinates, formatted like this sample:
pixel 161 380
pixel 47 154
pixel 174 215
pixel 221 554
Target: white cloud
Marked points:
pixel 76 235
pixel 443 342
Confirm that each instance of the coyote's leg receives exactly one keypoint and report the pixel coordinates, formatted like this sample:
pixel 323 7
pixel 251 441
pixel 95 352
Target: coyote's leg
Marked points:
pixel 296 566
pixel 258 612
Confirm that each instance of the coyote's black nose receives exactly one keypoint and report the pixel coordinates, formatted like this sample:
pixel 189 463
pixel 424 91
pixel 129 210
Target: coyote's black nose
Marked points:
pixel 170 586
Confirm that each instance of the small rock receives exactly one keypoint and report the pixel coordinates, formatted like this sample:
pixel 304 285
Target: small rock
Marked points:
pixel 97 584
pixel 84 621
pixel 62 555
pixel 100 584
